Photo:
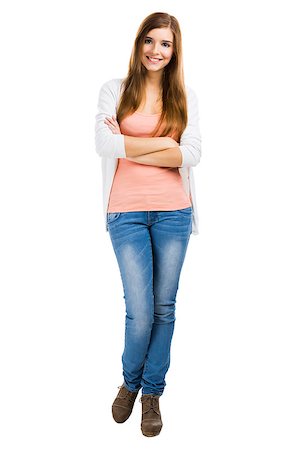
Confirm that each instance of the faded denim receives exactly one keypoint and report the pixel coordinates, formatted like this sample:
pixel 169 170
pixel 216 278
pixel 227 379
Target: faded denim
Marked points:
pixel 150 247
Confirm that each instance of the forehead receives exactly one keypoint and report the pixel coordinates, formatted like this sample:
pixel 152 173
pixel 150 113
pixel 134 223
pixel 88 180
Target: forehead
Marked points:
pixel 161 34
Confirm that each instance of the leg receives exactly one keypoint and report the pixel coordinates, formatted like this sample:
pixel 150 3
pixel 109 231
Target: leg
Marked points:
pixel 170 236
pixel 132 245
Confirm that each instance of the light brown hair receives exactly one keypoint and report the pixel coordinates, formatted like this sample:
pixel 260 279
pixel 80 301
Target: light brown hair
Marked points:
pixel 173 118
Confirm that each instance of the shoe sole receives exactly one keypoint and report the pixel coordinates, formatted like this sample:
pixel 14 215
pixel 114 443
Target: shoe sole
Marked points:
pixel 150 434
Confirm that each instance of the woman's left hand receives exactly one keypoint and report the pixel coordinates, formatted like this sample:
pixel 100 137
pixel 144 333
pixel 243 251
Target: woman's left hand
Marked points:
pixel 112 124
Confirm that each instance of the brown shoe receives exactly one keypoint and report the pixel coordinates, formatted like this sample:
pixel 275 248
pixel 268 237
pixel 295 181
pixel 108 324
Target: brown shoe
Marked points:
pixel 151 419
pixel 123 404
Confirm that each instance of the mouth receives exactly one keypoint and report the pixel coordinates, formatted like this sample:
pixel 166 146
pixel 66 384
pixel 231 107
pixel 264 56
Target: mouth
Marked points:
pixel 153 60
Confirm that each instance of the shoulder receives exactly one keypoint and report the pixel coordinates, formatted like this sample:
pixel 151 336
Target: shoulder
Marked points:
pixel 192 100
pixel 190 92
pixel 112 85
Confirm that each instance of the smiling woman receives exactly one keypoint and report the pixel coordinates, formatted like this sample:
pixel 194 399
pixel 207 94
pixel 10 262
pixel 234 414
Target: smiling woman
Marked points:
pixel 147 133
pixel 157 48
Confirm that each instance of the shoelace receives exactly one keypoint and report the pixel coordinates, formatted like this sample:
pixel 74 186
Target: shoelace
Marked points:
pixel 151 402
pixel 126 393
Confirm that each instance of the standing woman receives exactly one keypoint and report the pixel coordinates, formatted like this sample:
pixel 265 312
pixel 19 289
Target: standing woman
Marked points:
pixel 148 137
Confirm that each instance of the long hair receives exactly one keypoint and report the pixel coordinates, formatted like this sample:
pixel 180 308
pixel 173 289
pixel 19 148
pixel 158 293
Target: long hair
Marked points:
pixel 173 118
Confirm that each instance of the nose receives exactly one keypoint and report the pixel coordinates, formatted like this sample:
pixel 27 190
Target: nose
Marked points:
pixel 155 49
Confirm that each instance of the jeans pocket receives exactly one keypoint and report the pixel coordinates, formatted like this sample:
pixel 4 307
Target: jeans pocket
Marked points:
pixel 112 216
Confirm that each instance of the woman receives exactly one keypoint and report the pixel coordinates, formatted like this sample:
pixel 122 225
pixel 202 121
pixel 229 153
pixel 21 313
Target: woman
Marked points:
pixel 148 137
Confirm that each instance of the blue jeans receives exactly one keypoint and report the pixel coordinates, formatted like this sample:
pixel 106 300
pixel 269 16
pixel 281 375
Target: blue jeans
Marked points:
pixel 150 248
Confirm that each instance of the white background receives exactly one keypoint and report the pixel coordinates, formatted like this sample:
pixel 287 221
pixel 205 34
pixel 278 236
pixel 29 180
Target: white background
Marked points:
pixel 234 376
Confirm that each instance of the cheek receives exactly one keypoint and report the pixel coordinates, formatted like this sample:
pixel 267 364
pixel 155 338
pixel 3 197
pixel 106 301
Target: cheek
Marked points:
pixel 168 54
pixel 148 46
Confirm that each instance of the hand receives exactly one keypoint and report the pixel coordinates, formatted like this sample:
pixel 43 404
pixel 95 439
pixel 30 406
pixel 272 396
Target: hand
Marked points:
pixel 112 124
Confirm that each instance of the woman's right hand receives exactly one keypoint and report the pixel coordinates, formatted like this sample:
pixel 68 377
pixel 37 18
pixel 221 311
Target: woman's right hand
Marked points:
pixel 112 123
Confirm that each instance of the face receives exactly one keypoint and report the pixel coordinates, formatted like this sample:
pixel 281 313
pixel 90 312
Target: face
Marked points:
pixel 157 49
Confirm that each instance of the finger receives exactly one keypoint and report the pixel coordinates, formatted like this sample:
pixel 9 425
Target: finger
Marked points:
pixel 110 119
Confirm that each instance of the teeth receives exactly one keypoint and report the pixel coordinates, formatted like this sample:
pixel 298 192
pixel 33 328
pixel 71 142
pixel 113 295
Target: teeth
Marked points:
pixel 153 59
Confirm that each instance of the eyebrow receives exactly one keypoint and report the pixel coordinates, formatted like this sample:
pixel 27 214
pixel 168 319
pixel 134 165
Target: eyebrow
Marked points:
pixel 164 40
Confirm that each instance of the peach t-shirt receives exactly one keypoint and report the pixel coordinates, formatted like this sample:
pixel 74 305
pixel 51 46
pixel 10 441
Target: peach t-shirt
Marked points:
pixel 139 187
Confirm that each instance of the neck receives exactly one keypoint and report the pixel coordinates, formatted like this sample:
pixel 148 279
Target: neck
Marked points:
pixel 153 80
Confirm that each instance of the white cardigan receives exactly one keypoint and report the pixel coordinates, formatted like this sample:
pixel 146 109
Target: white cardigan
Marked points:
pixel 112 146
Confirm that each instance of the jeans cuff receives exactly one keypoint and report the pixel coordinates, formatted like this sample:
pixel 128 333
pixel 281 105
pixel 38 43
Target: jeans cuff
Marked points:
pixel 129 389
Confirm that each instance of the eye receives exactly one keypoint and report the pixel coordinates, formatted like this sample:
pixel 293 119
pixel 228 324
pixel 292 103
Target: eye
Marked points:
pixel 150 40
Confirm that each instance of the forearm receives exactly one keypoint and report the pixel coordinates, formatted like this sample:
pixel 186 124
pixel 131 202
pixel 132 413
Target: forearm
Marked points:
pixel 137 146
pixel 169 157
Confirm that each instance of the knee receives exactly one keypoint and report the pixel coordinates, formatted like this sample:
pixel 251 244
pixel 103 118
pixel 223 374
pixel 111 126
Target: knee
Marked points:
pixel 164 314
pixel 140 325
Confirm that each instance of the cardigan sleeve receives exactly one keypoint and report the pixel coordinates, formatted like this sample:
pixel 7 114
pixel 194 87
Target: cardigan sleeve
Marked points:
pixel 107 143
pixel 190 141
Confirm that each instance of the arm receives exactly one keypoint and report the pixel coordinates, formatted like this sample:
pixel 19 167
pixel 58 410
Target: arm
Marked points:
pixel 116 145
pixel 137 146
pixel 170 157
pixel 108 144
pixel 190 141
pixel 188 152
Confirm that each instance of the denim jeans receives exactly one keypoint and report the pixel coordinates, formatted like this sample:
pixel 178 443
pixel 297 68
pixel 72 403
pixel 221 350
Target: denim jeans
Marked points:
pixel 150 248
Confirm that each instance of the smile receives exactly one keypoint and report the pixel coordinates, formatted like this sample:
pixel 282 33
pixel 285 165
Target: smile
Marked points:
pixel 153 60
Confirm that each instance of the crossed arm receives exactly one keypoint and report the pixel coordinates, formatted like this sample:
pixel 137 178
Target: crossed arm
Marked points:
pixel 168 156
pixel 155 151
